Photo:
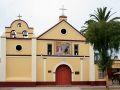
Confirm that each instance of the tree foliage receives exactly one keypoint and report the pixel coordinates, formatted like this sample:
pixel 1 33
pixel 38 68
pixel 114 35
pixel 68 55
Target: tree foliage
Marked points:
pixel 104 34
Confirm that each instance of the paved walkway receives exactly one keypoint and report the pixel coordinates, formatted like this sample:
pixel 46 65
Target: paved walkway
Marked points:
pixel 51 88
pixel 62 88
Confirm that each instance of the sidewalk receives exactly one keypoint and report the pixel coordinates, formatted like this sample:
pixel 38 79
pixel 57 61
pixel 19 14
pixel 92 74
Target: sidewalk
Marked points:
pixel 62 88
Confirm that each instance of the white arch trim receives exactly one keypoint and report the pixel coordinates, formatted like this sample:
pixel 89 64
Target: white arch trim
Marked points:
pixel 54 70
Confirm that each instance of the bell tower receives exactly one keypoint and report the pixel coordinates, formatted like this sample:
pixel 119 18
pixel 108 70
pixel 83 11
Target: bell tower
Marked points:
pixel 19 29
pixel 18 48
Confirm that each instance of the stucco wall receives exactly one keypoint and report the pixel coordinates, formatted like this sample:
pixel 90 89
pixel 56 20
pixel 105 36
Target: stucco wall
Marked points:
pixel 55 33
pixel 12 43
pixel 42 47
pixel 53 62
pixel 19 68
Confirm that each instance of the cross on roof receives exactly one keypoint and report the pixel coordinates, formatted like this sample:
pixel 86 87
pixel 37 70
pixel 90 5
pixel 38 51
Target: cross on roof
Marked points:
pixel 19 16
pixel 63 9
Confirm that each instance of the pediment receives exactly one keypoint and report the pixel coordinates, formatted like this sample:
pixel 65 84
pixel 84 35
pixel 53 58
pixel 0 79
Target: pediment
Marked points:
pixel 63 31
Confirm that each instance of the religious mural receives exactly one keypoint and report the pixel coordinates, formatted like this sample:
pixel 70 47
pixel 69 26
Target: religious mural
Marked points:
pixel 63 48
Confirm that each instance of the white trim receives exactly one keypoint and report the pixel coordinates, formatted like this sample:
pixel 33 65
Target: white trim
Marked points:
pixel 44 69
pixel 54 70
pixel 81 70
pixel 33 59
pixel 3 60
pixel 62 57
pixel 91 66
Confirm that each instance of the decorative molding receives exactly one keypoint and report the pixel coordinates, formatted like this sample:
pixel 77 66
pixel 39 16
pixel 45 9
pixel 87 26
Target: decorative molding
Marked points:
pixel 62 56
pixel 19 32
pixel 19 38
pixel 16 55
pixel 61 40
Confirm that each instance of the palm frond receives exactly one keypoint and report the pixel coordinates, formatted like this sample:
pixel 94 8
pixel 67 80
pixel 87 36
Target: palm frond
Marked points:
pixel 95 17
pixel 115 18
pixel 107 16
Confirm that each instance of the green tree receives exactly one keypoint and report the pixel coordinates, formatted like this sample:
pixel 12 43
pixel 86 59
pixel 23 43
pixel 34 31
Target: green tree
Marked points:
pixel 104 34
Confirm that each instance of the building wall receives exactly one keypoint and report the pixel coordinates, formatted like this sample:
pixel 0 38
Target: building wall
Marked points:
pixel 86 70
pixel 53 36
pixel 12 43
pixel 53 62
pixel 18 68
pixel 42 47
pixel 18 63
pixel 39 69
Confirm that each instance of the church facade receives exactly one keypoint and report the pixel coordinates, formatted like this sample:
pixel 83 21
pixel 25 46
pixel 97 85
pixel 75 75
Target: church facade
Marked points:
pixel 59 56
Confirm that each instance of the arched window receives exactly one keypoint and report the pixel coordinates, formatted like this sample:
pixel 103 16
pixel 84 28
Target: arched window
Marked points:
pixel 25 34
pixel 13 34
pixel 19 25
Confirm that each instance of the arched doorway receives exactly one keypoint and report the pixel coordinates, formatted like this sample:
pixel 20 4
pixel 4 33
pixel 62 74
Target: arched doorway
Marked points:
pixel 63 75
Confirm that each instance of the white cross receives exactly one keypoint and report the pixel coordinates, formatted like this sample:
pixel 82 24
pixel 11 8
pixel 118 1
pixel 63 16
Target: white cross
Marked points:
pixel 19 16
pixel 63 9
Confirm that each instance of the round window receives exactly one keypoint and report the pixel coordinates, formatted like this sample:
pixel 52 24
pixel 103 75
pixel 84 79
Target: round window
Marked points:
pixel 18 47
pixel 63 31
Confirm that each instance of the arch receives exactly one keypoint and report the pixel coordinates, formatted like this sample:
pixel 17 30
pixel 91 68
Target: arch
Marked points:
pixel 25 34
pixel 13 34
pixel 62 63
pixel 63 75
pixel 18 21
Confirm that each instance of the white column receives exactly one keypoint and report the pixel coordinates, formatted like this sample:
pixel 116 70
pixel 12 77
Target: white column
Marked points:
pixel 81 70
pixel 34 59
pixel 3 59
pixel 44 69
pixel 92 66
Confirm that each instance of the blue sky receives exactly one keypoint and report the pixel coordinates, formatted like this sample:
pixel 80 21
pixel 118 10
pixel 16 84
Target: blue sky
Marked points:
pixel 43 14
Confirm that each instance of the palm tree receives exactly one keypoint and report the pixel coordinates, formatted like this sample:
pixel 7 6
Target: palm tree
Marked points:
pixel 104 34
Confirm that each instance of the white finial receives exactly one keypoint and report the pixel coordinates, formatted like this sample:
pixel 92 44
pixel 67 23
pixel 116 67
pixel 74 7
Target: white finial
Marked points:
pixel 63 9
pixel 19 16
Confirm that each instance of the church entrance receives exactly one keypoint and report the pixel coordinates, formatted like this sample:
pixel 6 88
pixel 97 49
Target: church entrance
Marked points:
pixel 63 75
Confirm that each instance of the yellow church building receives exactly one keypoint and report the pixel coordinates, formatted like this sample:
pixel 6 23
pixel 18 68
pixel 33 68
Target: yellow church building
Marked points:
pixel 59 56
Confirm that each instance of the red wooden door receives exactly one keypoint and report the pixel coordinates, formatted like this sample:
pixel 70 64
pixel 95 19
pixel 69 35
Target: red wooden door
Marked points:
pixel 63 75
